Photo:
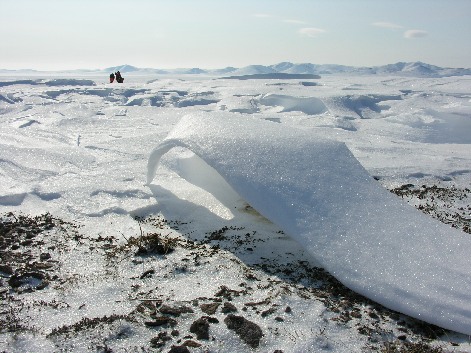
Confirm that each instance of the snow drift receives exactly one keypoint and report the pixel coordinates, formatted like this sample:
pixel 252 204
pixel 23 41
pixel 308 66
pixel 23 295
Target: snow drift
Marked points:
pixel 307 105
pixel 319 194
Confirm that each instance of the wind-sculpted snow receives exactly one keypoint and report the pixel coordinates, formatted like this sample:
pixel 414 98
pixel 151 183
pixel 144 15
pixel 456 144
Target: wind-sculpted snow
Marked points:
pixel 274 76
pixel 307 105
pixel 309 83
pixel 362 106
pixel 69 82
pixel 52 82
pixel 319 194
pixel 19 82
pixel 105 93
pixel 133 97
pixel 10 98
pixel 179 99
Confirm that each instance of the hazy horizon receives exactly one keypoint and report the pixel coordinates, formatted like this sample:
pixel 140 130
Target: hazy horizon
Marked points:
pixel 215 68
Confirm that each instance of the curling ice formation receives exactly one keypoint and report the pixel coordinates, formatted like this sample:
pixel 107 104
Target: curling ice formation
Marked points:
pixel 319 194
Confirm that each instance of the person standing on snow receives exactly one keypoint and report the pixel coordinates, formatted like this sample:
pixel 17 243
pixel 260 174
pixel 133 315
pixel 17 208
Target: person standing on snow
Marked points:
pixel 111 77
pixel 119 78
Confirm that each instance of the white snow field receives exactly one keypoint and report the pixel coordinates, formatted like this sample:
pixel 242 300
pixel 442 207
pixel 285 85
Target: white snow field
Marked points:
pixel 257 184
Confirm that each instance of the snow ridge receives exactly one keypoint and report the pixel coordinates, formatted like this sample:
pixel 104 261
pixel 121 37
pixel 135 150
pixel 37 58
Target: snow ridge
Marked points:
pixel 318 193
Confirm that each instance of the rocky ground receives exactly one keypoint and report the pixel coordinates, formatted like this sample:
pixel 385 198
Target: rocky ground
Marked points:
pixel 258 312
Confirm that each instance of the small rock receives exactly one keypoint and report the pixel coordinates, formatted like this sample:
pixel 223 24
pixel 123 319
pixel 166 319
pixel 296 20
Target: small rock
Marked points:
pixel 191 343
pixel 226 293
pixel 30 235
pixel 179 349
pixel 200 328
pixel 211 320
pixel 159 341
pixel 268 312
pixel 373 315
pixel 248 331
pixel 38 266
pixel 146 307
pixel 147 273
pixel 228 308
pixel 209 309
pixel 161 321
pixel 355 314
pixel 44 256
pixel 177 311
pixel 6 269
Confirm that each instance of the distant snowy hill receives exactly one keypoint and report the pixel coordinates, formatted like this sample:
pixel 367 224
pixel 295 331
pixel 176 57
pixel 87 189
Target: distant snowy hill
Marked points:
pixel 421 69
pixel 133 69
pixel 418 69
pixel 123 68
pixel 255 70
pixel 413 69
pixel 193 71
pixel 224 71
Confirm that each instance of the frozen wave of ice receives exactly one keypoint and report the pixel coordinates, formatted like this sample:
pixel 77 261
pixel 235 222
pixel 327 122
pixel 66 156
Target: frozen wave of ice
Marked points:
pixel 319 194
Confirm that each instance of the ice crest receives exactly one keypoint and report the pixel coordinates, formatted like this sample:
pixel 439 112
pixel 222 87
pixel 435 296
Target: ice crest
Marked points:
pixel 318 193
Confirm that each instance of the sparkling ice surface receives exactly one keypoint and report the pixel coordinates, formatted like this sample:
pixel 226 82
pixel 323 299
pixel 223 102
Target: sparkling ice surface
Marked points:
pixel 319 194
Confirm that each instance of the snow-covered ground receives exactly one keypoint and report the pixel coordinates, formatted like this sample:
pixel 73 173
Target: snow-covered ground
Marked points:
pixel 93 278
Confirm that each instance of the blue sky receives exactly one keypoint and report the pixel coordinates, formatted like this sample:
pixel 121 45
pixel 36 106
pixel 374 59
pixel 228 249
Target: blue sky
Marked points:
pixel 68 34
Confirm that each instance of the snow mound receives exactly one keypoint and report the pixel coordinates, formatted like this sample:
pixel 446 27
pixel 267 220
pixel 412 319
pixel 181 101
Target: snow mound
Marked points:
pixel 10 98
pixel 359 106
pixel 274 76
pixel 319 194
pixel 69 82
pixel 307 105
pixel 18 82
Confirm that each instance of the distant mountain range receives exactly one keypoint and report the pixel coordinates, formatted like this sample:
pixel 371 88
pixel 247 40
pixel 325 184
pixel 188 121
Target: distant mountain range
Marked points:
pixel 413 69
